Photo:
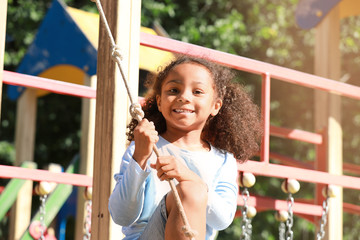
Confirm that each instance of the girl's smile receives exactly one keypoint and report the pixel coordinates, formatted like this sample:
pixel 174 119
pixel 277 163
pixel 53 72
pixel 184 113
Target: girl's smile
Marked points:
pixel 188 97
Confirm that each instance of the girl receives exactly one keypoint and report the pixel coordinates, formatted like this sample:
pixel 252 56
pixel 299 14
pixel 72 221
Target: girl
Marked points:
pixel 201 122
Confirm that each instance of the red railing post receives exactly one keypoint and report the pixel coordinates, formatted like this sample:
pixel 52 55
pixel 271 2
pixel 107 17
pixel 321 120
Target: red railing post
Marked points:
pixel 265 117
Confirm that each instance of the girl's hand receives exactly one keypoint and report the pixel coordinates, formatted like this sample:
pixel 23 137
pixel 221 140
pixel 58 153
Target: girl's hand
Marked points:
pixel 168 167
pixel 145 137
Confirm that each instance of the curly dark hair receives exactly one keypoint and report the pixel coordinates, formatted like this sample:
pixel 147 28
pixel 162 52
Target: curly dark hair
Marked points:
pixel 235 129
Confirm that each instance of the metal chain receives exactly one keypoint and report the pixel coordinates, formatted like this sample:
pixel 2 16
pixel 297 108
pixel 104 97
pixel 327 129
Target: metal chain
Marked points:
pixel 246 226
pixel 42 213
pixel 321 234
pixel 290 220
pixel 282 230
pixel 87 223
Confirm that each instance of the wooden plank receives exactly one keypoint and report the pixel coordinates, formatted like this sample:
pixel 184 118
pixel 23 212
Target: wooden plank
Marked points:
pixel 24 147
pixel 328 113
pixel 112 107
pixel 3 13
pixel 86 153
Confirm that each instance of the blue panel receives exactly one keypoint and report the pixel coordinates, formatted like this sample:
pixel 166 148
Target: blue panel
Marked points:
pixel 309 13
pixel 58 41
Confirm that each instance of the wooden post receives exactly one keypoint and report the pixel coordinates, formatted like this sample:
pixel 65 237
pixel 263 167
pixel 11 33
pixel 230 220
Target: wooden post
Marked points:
pixel 3 13
pixel 86 153
pixel 328 112
pixel 112 107
pixel 24 147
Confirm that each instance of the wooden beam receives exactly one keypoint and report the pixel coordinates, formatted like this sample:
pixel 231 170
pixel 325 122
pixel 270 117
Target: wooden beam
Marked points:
pixel 3 13
pixel 112 107
pixel 328 113
pixel 24 147
pixel 86 153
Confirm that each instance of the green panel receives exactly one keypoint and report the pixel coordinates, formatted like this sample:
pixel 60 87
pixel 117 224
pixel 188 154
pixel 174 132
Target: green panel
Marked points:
pixel 9 195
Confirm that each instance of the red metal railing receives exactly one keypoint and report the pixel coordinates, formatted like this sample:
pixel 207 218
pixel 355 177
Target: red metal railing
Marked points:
pixel 54 86
pixel 264 168
pixel 44 175
pixel 268 71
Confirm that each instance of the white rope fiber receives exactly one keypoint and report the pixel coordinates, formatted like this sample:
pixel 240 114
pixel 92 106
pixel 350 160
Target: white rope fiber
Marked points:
pixel 137 113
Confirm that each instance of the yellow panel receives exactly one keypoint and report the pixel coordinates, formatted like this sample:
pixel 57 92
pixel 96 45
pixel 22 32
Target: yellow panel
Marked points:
pixel 88 23
pixel 349 8
pixel 65 73
pixel 150 58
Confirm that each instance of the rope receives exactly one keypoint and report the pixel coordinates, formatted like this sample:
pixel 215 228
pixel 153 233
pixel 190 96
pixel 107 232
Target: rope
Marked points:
pixel 137 113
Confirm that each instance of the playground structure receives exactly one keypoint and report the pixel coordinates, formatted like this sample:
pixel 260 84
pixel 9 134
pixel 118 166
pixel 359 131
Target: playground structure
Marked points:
pixel 322 173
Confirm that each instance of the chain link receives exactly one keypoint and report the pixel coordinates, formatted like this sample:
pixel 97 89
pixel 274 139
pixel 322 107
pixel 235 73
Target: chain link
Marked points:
pixel 290 220
pixel 87 224
pixel 282 230
pixel 321 234
pixel 246 226
pixel 42 213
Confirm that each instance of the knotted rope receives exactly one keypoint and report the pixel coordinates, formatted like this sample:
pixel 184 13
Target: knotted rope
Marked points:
pixel 137 113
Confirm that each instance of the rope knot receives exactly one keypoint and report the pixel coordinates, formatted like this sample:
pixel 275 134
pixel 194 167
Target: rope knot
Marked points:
pixel 116 54
pixel 136 112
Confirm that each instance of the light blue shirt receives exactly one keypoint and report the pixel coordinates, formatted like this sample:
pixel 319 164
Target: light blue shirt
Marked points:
pixel 138 192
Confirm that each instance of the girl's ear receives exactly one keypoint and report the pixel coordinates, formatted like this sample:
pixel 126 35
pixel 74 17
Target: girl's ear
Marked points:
pixel 158 102
pixel 217 106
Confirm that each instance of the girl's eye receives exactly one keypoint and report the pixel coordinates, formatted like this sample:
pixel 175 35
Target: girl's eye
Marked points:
pixel 198 92
pixel 173 90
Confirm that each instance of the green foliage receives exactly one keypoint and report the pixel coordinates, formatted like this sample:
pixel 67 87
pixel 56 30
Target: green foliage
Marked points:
pixel 7 153
pixel 25 15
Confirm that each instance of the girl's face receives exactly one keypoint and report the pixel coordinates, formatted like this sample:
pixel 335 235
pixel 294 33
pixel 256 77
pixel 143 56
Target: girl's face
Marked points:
pixel 188 97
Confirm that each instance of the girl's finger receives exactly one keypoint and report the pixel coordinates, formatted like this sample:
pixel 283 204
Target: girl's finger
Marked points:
pixel 160 173
pixel 166 168
pixel 164 160
pixel 164 176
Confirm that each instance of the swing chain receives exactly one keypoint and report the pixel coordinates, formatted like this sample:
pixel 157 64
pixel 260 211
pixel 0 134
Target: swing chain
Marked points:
pixel 87 223
pixel 282 230
pixel 246 222
pixel 42 213
pixel 290 220
pixel 321 234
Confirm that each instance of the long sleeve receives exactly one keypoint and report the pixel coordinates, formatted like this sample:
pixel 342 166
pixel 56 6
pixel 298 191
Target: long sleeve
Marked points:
pixel 222 199
pixel 127 198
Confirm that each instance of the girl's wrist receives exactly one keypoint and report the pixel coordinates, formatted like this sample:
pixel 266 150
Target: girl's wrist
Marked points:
pixel 141 160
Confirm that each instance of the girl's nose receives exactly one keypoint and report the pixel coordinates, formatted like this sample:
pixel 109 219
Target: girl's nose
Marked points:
pixel 184 97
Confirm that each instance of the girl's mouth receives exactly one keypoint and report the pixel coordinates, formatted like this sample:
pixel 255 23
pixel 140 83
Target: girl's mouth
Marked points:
pixel 183 111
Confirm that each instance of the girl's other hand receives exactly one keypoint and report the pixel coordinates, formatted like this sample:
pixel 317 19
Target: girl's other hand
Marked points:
pixel 145 137
pixel 168 167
